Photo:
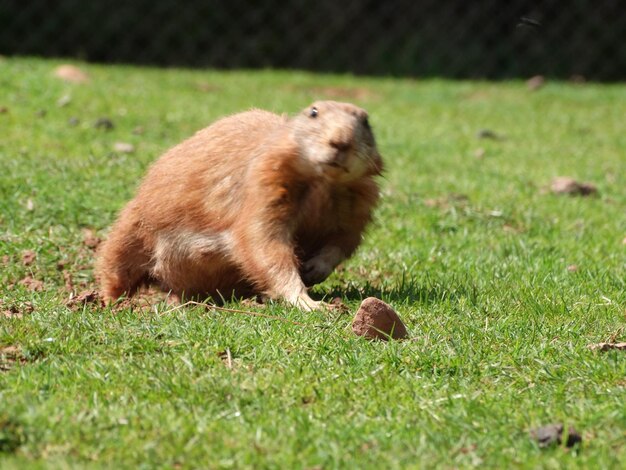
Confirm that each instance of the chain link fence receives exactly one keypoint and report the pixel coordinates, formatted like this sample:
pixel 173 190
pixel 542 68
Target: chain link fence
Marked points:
pixel 450 38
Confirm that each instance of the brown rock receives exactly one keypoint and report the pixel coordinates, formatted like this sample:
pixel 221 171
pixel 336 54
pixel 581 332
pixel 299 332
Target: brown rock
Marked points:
pixel 567 185
pixel 377 320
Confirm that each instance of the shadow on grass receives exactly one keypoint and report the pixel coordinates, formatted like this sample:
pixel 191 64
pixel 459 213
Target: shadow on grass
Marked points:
pixel 407 291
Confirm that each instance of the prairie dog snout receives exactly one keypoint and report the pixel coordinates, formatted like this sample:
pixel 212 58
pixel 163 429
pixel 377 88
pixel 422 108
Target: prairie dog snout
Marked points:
pixel 256 203
pixel 339 137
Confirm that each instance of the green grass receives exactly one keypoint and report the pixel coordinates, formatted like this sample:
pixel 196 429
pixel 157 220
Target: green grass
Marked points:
pixel 472 252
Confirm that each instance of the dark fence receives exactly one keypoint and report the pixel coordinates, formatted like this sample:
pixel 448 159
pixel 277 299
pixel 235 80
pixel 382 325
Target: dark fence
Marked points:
pixel 453 38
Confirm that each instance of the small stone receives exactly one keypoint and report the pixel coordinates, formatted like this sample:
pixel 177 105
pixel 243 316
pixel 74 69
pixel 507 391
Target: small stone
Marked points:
pixel 104 123
pixel 552 434
pixel 572 268
pixel 123 147
pixel 536 82
pixel 567 185
pixel 488 134
pixel 479 153
pixel 73 121
pixel 377 320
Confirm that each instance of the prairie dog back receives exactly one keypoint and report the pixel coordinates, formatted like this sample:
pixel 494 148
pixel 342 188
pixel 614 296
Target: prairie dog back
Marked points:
pixel 256 203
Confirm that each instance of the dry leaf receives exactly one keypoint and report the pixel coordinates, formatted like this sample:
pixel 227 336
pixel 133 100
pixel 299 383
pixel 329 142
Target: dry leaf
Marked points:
pixel 123 147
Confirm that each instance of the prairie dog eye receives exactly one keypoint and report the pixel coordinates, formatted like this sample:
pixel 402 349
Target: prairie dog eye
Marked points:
pixel 314 112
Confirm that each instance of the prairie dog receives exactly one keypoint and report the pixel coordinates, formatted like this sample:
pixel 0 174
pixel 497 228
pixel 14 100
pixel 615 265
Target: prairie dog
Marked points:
pixel 256 203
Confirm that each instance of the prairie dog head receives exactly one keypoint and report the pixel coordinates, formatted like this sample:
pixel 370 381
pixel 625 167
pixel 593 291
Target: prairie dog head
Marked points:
pixel 336 139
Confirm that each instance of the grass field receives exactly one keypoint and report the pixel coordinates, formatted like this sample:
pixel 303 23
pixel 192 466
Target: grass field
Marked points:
pixel 501 284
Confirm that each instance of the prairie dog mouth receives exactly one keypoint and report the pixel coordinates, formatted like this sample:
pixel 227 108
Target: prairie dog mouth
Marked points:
pixel 335 164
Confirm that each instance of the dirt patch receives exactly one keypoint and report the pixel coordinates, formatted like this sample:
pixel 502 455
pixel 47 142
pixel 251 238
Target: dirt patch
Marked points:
pixel 607 346
pixel 445 202
pixel 206 87
pixel 71 74
pixel 28 257
pixel 90 239
pixel 9 357
pixel 77 302
pixel 67 280
pixel 569 186
pixel 31 284
pixel 16 311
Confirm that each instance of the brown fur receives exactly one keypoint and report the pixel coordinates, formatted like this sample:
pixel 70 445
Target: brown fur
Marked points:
pixel 255 203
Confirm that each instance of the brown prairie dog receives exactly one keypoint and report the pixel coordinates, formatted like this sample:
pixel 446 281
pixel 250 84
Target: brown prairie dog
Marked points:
pixel 256 203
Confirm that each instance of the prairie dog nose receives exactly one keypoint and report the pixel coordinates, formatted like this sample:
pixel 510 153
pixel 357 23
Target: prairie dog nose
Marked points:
pixel 340 144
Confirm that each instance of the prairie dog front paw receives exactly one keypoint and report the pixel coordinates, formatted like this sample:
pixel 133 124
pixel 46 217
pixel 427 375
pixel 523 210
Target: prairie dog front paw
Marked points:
pixel 318 268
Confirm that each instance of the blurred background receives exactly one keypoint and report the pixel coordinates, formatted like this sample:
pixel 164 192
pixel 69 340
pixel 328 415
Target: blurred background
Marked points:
pixel 575 39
